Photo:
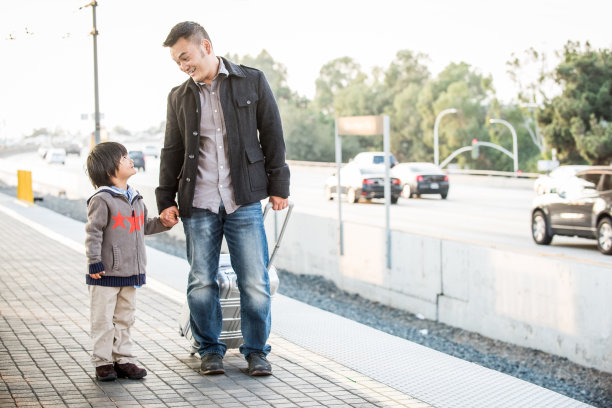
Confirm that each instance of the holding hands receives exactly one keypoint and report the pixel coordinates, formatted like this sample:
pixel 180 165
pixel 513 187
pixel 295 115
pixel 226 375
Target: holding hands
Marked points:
pixel 169 217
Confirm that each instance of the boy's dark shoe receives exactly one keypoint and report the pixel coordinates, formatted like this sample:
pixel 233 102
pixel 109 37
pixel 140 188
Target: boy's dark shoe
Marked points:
pixel 106 373
pixel 258 364
pixel 129 370
pixel 212 364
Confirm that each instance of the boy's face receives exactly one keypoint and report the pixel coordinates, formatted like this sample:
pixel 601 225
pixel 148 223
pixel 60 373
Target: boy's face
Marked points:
pixel 126 168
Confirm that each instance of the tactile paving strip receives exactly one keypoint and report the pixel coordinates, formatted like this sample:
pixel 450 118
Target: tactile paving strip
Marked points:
pixel 431 376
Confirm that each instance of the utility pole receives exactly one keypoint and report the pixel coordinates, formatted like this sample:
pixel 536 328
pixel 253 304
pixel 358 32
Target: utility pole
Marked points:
pixel 94 33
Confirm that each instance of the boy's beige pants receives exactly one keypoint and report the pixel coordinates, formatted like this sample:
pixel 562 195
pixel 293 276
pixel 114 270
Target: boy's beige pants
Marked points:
pixel 112 317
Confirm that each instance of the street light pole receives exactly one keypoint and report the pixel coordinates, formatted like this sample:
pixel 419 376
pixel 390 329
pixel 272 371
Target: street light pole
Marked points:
pixel 94 33
pixel 514 144
pixel 436 124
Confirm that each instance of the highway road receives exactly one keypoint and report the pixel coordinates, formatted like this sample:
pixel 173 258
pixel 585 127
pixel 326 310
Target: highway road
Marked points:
pixel 488 210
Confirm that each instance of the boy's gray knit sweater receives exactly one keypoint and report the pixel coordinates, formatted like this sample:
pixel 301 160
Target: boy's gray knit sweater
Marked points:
pixel 115 238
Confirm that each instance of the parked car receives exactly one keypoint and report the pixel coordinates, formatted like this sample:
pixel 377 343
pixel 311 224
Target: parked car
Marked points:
pixel 56 155
pixel 373 158
pixel 358 182
pixel 580 207
pixel 73 148
pixel 548 183
pixel 421 178
pixel 151 151
pixel 139 159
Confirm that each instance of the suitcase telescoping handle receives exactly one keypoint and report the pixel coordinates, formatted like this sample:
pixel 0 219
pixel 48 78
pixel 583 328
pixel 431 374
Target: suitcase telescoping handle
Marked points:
pixel 282 231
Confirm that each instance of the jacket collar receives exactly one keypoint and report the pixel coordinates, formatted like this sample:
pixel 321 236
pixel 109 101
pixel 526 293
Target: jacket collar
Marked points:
pixel 106 189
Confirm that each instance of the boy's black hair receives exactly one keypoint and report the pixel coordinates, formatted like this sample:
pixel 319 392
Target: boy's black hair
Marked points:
pixel 103 162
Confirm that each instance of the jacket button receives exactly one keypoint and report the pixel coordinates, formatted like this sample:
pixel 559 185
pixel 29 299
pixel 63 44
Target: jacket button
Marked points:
pixel 188 179
pixel 191 156
pixel 248 102
pixel 195 133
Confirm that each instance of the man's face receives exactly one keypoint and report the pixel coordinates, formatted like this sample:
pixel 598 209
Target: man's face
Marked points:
pixel 194 59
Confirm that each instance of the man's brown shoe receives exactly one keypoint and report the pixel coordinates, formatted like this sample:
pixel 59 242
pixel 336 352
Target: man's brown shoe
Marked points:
pixel 212 363
pixel 258 364
pixel 106 373
pixel 129 370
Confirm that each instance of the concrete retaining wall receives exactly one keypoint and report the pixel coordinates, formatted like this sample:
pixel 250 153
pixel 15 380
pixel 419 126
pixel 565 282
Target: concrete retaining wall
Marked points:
pixel 557 305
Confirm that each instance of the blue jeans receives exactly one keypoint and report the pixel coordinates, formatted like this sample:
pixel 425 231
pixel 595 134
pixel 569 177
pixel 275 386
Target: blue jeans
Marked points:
pixel 246 240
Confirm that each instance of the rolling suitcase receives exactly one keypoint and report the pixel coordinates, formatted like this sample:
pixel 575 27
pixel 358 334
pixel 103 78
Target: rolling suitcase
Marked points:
pixel 229 295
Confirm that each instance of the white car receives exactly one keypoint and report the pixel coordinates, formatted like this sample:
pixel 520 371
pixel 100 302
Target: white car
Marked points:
pixel 365 159
pixel 56 155
pixel 549 183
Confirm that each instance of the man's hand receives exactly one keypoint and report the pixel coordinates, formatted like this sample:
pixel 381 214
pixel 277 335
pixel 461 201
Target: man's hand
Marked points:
pixel 279 203
pixel 169 217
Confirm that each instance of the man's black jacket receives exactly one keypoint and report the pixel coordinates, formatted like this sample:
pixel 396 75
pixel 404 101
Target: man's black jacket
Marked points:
pixel 254 141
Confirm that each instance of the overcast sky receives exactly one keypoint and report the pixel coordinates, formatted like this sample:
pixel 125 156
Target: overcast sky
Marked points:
pixel 47 53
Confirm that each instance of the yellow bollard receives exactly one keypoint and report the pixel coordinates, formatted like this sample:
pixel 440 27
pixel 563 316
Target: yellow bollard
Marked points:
pixel 24 186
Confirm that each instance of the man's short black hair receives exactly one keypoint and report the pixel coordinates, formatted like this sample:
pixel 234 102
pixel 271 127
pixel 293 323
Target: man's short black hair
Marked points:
pixel 188 30
pixel 103 162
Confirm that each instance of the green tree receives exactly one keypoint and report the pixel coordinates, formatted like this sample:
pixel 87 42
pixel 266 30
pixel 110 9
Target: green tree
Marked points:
pixel 531 75
pixel 342 89
pixel 457 86
pixel 399 94
pixel 577 122
pixel 334 77
pixel 309 134
pixel 275 72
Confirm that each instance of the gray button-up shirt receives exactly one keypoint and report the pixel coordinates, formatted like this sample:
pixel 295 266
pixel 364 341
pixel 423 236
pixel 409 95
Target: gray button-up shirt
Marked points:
pixel 213 184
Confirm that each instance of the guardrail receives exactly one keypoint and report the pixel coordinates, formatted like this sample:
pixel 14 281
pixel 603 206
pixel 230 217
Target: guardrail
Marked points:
pixel 449 171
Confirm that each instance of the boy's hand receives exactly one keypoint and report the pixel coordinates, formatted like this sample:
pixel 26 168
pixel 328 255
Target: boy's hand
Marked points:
pixel 169 217
pixel 96 275
pixel 168 223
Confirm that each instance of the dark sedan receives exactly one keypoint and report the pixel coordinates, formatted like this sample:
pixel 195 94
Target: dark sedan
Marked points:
pixel 581 207
pixel 421 178
pixel 362 182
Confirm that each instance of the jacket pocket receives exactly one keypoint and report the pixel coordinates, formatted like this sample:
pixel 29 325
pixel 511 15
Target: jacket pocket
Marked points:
pixel 116 258
pixel 246 101
pixel 256 169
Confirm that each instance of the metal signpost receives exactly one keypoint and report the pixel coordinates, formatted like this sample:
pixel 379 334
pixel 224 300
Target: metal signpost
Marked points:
pixel 364 126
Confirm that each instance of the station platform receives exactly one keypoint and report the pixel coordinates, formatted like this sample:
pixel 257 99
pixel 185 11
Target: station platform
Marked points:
pixel 319 359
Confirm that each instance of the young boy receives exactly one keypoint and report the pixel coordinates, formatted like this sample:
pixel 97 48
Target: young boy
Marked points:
pixel 117 222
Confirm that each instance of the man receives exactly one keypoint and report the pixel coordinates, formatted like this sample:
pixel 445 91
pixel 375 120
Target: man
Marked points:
pixel 223 153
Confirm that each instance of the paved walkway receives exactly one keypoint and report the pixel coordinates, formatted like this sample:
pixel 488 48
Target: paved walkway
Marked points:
pixel 44 347
pixel 44 344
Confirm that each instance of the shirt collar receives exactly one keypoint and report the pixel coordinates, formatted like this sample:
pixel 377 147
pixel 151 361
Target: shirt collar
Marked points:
pixel 129 193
